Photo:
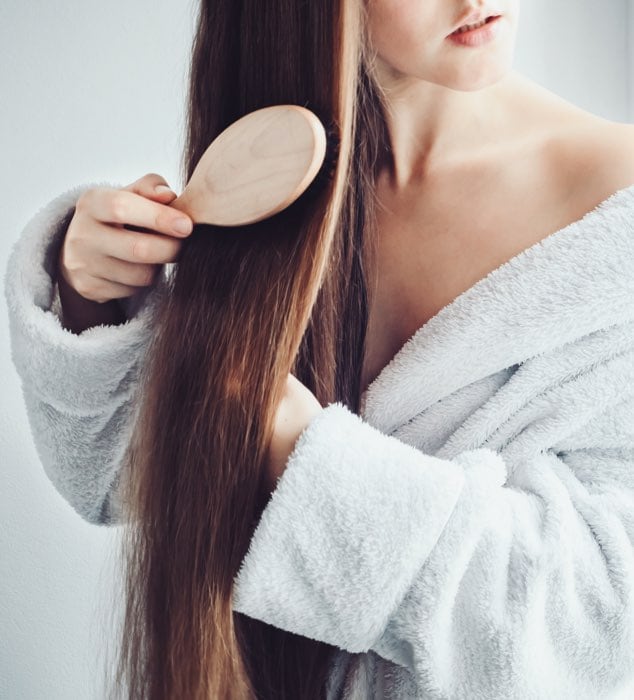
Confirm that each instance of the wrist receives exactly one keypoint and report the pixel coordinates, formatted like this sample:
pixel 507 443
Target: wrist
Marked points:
pixel 78 313
pixel 291 423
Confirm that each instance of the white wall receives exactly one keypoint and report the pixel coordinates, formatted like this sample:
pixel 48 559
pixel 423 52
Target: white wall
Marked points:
pixel 630 56
pixel 94 91
pixel 581 49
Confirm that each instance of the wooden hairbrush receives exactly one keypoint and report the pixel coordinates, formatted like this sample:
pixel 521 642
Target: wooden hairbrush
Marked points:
pixel 258 166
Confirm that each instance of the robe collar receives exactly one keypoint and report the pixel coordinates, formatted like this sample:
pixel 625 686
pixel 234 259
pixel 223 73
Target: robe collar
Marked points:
pixel 575 281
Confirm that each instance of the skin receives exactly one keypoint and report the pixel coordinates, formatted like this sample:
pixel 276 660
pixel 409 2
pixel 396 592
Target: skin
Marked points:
pixel 441 97
pixel 295 411
pixel 461 120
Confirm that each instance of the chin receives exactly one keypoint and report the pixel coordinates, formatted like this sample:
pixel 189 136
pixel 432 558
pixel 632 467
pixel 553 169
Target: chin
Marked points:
pixel 472 77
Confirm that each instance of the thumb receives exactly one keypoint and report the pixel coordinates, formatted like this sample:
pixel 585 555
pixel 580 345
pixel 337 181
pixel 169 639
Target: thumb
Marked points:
pixel 152 186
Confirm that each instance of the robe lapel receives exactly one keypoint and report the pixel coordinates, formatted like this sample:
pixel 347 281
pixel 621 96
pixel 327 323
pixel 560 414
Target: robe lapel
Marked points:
pixel 575 281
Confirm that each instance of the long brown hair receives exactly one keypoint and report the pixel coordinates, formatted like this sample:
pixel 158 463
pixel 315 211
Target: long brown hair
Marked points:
pixel 246 306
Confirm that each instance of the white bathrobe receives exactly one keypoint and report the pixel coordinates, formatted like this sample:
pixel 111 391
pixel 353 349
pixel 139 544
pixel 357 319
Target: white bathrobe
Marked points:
pixel 471 534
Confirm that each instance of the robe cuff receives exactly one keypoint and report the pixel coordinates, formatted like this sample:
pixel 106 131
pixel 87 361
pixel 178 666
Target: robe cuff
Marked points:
pixel 345 531
pixel 71 372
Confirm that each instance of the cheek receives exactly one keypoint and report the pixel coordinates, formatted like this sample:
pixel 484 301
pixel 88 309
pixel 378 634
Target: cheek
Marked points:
pixel 402 31
pixel 410 37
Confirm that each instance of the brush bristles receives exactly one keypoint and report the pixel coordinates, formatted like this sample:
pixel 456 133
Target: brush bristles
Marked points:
pixel 329 164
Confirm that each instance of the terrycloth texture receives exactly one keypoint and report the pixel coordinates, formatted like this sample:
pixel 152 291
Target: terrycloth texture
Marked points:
pixel 78 389
pixel 470 535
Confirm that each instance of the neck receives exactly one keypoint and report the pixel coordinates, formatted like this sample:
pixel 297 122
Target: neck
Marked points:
pixel 431 127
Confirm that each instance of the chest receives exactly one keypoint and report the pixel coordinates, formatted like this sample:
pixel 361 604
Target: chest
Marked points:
pixel 428 252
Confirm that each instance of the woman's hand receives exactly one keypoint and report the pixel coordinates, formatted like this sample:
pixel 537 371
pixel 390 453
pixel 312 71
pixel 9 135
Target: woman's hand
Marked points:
pixel 295 411
pixel 115 244
pixel 119 238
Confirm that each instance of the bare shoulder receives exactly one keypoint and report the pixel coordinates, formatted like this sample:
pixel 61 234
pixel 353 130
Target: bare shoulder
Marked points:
pixel 579 159
pixel 596 157
pixel 612 152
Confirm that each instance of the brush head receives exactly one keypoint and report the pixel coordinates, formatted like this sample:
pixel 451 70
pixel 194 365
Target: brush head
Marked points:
pixel 260 165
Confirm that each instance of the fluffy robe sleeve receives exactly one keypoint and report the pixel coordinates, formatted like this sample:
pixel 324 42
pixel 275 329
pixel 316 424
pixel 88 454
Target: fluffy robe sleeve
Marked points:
pixel 78 389
pixel 484 582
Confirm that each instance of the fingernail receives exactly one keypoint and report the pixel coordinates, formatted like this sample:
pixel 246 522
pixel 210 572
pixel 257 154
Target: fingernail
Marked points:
pixel 160 189
pixel 182 225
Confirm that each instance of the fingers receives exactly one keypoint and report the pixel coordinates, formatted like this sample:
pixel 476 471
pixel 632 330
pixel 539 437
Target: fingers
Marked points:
pixel 100 290
pixel 120 207
pixel 118 239
pixel 127 273
pixel 131 246
pixel 152 186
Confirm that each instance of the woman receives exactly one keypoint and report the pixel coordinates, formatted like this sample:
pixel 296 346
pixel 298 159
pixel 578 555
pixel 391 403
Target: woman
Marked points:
pixel 382 442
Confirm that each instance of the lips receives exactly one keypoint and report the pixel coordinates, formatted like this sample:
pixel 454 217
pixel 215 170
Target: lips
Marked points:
pixel 474 18
pixel 474 25
pixel 482 35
